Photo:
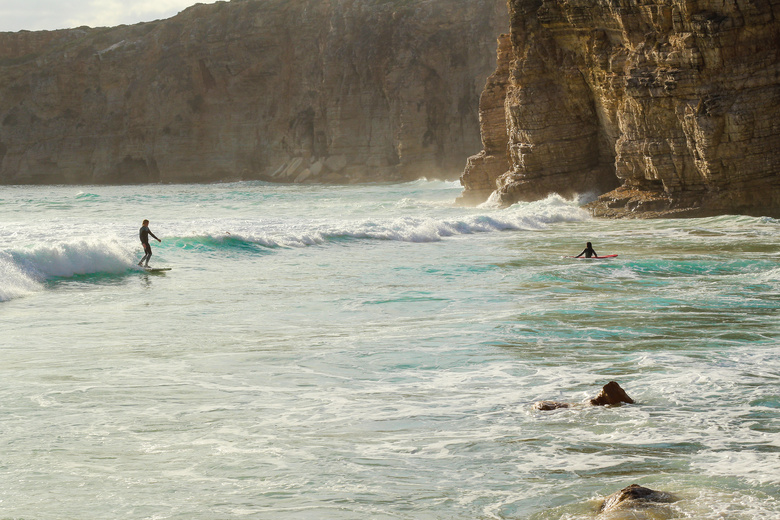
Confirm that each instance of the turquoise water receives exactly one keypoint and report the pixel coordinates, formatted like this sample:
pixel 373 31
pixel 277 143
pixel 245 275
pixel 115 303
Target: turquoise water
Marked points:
pixel 374 352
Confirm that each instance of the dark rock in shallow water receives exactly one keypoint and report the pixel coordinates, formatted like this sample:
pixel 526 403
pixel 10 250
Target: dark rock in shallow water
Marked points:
pixel 550 405
pixel 611 394
pixel 635 497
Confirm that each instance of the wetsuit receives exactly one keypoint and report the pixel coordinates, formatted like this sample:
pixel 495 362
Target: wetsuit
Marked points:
pixel 143 234
pixel 589 252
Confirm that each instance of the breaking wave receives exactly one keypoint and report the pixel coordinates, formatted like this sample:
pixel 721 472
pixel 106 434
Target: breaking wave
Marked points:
pixel 25 270
pixel 279 233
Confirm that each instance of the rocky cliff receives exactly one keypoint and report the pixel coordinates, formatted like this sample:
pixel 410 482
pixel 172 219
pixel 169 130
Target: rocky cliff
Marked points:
pixel 283 90
pixel 664 107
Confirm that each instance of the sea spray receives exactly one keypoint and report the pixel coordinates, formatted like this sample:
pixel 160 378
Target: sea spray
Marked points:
pixel 14 282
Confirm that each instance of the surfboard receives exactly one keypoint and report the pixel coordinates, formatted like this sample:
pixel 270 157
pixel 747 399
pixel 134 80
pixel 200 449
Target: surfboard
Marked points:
pixel 594 257
pixel 156 269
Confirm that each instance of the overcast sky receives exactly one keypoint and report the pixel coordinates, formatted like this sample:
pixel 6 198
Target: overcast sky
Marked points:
pixel 37 15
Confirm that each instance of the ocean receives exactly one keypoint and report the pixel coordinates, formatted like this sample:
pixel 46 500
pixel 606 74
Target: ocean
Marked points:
pixel 374 352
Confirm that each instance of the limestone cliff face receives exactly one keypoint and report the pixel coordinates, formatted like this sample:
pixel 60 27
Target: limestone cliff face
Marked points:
pixel 483 169
pixel 675 103
pixel 283 90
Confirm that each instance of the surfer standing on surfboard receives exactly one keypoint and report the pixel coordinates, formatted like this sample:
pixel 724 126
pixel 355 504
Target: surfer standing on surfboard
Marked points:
pixel 588 252
pixel 144 233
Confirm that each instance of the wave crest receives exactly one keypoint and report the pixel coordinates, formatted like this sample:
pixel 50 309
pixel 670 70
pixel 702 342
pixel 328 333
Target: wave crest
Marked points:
pixel 24 270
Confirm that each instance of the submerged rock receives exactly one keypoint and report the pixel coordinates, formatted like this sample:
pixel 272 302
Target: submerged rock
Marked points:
pixel 636 497
pixel 550 405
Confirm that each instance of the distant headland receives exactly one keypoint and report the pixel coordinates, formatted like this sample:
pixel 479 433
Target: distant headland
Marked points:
pixel 334 91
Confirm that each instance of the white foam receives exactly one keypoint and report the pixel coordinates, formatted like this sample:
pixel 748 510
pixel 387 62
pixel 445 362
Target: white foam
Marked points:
pixel 14 282
pixel 492 202
pixel 24 270
pixel 772 275
pixel 403 228
pixel 624 273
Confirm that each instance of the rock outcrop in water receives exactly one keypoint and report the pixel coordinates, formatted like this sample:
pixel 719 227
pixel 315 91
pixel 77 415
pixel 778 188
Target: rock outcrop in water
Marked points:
pixel 634 500
pixel 674 104
pixel 283 90
pixel 612 394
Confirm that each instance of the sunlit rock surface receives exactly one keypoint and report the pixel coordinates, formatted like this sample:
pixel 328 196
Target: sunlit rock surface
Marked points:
pixel 674 103
pixel 636 502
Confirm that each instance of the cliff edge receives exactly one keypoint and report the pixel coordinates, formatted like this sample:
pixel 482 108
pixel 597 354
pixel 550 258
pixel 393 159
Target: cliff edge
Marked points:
pixel 280 90
pixel 660 107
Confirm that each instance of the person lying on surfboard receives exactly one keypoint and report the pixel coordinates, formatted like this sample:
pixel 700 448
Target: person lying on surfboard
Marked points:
pixel 144 233
pixel 588 252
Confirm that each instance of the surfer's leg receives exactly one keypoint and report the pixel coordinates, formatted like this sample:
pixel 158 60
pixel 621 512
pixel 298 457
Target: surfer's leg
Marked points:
pixel 147 255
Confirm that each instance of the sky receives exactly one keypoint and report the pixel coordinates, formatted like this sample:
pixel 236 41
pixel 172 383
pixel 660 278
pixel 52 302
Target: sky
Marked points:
pixel 38 15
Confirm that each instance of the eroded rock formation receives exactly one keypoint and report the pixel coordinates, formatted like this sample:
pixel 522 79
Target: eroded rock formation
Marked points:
pixel 283 90
pixel 675 103
pixel 483 169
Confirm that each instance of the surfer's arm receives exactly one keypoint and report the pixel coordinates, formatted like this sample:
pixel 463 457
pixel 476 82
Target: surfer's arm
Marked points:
pixel 153 236
pixel 579 255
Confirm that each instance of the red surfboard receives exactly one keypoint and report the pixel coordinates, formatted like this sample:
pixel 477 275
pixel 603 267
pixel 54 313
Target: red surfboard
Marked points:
pixel 593 257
